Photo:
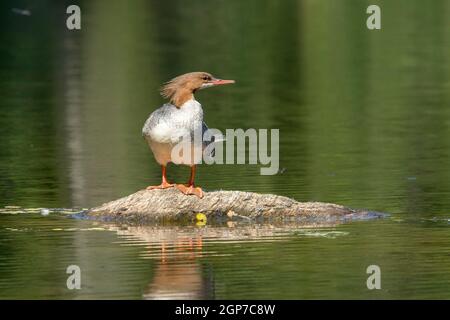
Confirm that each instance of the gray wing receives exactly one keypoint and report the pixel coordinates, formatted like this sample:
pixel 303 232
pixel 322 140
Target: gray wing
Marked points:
pixel 155 117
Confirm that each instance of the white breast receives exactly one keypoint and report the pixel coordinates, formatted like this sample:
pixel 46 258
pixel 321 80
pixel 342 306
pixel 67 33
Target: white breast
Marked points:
pixel 168 125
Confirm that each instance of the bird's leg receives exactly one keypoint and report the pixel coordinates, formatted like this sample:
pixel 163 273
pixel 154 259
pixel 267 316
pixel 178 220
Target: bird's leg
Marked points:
pixel 164 183
pixel 189 188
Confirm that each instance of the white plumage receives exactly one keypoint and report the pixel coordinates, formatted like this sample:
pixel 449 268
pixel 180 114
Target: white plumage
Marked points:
pixel 168 125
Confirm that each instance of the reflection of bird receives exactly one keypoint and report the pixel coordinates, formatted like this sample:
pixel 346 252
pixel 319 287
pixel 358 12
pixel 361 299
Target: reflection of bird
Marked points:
pixel 178 275
pixel 179 280
pixel 180 118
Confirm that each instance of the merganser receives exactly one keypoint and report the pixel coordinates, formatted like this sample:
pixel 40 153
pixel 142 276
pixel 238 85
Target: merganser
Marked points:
pixel 167 125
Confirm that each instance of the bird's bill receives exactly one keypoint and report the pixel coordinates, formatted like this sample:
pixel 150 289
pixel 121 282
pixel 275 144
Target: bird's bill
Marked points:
pixel 215 82
pixel 218 82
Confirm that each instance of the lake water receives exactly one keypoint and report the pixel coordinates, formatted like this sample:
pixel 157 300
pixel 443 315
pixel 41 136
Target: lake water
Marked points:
pixel 364 119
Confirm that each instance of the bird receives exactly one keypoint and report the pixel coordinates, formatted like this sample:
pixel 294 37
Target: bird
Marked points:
pixel 181 116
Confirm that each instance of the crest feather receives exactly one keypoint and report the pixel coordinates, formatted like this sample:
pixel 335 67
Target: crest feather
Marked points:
pixel 181 88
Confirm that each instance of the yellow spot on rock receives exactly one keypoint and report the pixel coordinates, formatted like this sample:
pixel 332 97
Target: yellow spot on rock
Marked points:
pixel 201 219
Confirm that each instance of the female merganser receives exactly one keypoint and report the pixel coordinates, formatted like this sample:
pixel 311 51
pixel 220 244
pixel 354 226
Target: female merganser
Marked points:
pixel 169 124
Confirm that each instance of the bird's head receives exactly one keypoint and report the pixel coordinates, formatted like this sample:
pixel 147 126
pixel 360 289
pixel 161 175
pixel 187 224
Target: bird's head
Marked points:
pixel 181 89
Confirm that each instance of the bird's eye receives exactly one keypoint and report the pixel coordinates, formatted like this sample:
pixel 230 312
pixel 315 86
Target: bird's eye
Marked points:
pixel 206 78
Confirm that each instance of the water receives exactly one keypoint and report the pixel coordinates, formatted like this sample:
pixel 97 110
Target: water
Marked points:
pixel 364 121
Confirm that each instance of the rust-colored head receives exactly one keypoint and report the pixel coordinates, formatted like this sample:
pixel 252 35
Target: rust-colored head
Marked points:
pixel 181 89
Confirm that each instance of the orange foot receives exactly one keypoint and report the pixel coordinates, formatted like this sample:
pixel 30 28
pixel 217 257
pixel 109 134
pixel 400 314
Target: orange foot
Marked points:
pixel 187 190
pixel 163 185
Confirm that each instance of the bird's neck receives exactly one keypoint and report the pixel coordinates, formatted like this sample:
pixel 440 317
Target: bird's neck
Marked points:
pixel 181 96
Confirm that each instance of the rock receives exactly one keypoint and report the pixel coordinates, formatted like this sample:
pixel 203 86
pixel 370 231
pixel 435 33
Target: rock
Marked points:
pixel 172 205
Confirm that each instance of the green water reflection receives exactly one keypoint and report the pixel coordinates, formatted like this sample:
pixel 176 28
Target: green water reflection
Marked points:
pixel 364 121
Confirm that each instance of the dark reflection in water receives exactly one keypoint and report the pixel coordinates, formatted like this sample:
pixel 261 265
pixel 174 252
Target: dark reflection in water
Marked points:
pixel 179 272
pixel 234 261
pixel 363 119
pixel 180 277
